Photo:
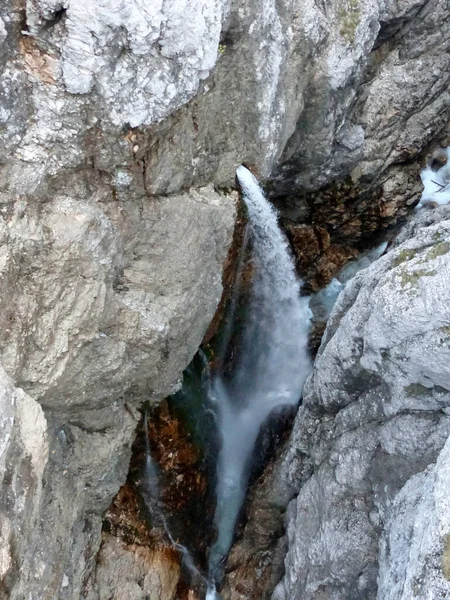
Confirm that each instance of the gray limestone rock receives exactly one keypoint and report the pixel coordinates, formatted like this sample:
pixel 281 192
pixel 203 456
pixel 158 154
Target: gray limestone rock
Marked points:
pixel 104 296
pixel 414 548
pixel 185 91
pixel 379 400
pixel 103 305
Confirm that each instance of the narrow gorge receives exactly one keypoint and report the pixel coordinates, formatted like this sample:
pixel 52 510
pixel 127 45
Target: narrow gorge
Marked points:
pixel 224 300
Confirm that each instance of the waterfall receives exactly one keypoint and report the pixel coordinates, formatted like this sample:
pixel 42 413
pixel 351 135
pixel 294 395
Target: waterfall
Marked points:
pixel 271 367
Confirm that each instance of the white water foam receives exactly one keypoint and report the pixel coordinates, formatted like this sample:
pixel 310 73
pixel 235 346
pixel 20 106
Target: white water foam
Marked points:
pixel 436 184
pixel 271 370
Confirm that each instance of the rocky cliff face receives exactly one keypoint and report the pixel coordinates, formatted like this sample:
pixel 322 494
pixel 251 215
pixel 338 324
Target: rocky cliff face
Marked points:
pixel 366 464
pixel 327 90
pixel 108 282
pixel 374 417
pixel 104 304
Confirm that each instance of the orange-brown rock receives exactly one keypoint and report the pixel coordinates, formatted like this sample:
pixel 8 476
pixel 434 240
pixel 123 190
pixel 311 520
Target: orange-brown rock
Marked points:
pixel 308 243
pixel 318 260
pixel 338 221
pixel 176 455
pixel 141 557
pixel 135 559
pixel 126 519
pixel 229 272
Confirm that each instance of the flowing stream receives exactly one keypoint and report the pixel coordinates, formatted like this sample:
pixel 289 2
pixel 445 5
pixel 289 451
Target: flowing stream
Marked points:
pixel 271 368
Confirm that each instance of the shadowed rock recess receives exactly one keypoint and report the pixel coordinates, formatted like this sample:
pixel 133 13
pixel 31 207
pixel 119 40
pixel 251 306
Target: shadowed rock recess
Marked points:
pixel 122 123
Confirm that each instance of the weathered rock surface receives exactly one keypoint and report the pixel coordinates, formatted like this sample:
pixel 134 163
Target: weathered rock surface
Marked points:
pixel 24 453
pixel 369 518
pixel 317 258
pixel 354 87
pixel 133 572
pixel 104 304
pixel 135 561
pixel 376 88
pixel 102 295
pixel 414 549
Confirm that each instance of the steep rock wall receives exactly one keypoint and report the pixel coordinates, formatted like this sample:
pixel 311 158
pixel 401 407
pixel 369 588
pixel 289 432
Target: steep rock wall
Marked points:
pixel 104 305
pixel 368 518
pixel 107 290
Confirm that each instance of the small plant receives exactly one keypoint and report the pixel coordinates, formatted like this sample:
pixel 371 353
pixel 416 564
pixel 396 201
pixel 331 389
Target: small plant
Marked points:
pixel 221 49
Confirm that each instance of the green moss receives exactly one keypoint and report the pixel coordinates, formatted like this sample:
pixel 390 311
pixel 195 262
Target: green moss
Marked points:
pixel 413 277
pixel 446 557
pixel 446 330
pixel 189 405
pixel 224 190
pixel 349 16
pixel 438 250
pixel 417 389
pixel 403 256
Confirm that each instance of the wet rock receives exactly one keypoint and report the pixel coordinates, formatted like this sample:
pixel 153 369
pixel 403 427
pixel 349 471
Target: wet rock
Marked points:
pixel 230 271
pixel 315 336
pixel 339 223
pixel 134 560
pixel 184 492
pixel 438 159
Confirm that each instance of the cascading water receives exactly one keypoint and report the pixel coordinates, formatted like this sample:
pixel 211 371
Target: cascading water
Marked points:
pixel 268 373
pixel 272 366
pixel 322 302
